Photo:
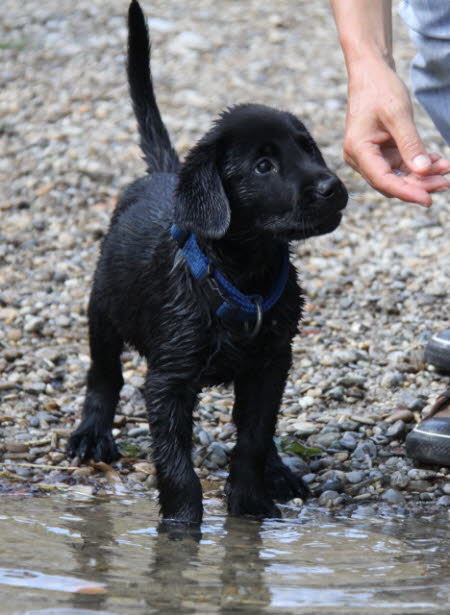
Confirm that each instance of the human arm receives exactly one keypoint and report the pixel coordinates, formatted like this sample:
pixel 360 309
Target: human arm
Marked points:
pixel 381 140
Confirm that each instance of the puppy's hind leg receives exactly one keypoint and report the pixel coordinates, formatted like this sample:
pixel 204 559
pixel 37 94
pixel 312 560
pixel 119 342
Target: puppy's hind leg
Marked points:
pixel 93 438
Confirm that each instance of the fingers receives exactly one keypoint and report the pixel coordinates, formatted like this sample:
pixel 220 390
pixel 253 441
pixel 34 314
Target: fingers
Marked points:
pixel 440 165
pixel 402 129
pixel 375 169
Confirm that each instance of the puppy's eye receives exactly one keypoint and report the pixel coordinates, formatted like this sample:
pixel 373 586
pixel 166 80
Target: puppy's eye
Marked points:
pixel 265 165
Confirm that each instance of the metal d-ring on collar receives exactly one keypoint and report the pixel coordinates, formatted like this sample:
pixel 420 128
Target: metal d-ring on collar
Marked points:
pixel 226 300
pixel 259 319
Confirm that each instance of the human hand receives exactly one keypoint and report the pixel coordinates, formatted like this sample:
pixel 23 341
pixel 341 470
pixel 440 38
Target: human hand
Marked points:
pixel 381 140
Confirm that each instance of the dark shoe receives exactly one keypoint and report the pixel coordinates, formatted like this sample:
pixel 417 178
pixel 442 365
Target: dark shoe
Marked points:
pixel 429 441
pixel 437 351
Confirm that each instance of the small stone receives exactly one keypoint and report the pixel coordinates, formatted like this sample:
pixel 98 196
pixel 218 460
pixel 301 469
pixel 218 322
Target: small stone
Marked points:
pixel 34 324
pixel 446 488
pixel 329 498
pixel 348 442
pixel 306 402
pixel 296 502
pixel 355 477
pixel 400 415
pixel 444 500
pixel 13 446
pixel 392 380
pixel 151 481
pixel 218 454
pixel 333 484
pixel 347 425
pixel 341 456
pixel 82 490
pixel 419 485
pixel 351 380
pixel 418 474
pixel 296 464
pixel 309 478
pixel 137 477
pixel 142 430
pixel 57 457
pixel 14 335
pixel 396 429
pixel 399 480
pixel 364 420
pixel 145 467
pixel 364 450
pixel 392 496
pixel 303 428
pixel 336 393
pixel 204 437
pixel 84 471
pixel 325 439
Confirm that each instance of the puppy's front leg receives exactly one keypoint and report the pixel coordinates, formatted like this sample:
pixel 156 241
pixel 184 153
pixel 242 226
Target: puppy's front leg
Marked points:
pixel 257 399
pixel 170 404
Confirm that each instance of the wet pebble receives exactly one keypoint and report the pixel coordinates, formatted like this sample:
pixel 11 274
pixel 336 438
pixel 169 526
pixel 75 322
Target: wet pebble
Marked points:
pixel 393 496
pixel 348 441
pixel 365 450
pixel 355 477
pixel 396 430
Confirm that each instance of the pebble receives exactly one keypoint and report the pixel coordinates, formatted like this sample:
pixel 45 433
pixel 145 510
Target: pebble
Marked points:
pixel 329 498
pixel 326 439
pixel 16 447
pixel 392 496
pixel 348 442
pixel 396 430
pixel 446 488
pixel 365 450
pixel 333 484
pixel 400 415
pixel 218 454
pixel 303 428
pixel 444 500
pixel 142 430
pixel 399 480
pixel 355 477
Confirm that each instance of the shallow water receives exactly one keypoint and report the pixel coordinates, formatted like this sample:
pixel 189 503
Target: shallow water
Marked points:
pixel 60 556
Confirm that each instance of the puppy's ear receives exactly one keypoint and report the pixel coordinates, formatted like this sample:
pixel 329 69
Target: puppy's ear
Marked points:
pixel 201 205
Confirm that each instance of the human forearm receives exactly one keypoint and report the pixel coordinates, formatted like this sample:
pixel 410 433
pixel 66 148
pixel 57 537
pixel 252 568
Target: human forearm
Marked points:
pixel 381 140
pixel 365 30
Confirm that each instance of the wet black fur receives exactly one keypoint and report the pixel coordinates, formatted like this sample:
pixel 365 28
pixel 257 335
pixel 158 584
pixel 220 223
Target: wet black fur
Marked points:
pixel 144 294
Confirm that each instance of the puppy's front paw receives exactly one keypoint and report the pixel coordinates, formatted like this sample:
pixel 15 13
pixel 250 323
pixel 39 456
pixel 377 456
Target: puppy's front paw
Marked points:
pixel 88 444
pixel 283 484
pixel 245 502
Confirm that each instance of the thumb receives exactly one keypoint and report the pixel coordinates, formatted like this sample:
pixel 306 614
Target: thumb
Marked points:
pixel 410 145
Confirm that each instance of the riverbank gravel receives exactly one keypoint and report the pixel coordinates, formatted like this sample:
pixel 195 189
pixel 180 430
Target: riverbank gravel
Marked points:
pixel 377 287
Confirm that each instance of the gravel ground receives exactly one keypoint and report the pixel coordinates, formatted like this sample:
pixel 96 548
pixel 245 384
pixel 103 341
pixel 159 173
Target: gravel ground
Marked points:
pixel 376 287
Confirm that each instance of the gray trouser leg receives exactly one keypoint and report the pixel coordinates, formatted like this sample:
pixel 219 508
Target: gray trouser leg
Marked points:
pixel 429 29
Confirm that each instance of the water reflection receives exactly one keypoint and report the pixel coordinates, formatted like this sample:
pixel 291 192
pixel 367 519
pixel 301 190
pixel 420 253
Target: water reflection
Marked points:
pixel 114 557
pixel 176 572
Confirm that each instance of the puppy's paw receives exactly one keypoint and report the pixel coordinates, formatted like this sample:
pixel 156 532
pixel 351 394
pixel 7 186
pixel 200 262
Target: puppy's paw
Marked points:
pixel 88 444
pixel 283 485
pixel 247 503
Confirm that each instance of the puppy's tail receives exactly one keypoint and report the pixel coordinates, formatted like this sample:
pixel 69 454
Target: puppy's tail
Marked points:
pixel 159 153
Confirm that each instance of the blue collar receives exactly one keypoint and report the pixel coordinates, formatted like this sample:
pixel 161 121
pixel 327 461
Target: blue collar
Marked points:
pixel 228 301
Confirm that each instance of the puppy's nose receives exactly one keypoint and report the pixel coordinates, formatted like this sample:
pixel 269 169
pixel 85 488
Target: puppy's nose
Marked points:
pixel 327 186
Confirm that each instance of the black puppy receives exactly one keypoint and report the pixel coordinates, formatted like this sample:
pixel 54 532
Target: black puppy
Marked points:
pixel 195 274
